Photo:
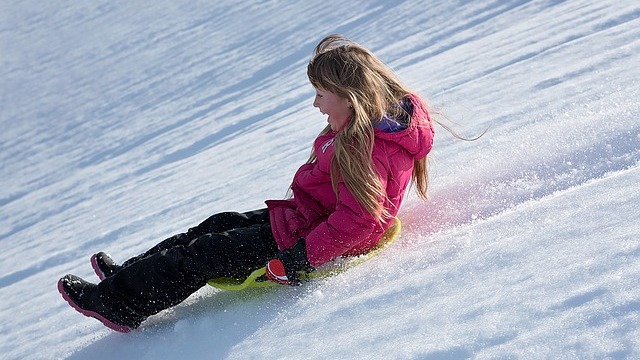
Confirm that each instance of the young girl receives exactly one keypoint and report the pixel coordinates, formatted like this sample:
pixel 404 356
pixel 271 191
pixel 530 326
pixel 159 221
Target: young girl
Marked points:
pixel 344 198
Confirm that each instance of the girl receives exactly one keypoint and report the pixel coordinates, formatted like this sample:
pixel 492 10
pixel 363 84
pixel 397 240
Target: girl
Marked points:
pixel 343 199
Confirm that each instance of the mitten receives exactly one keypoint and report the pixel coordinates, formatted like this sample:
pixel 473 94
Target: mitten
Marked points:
pixel 288 264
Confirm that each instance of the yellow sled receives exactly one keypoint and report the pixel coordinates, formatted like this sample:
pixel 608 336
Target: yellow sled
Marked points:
pixel 258 279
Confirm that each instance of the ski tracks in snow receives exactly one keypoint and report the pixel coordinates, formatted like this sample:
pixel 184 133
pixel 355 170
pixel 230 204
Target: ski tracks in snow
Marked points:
pixel 553 143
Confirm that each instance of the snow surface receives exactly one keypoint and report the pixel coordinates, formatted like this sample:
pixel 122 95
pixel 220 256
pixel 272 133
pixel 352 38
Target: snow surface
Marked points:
pixel 126 122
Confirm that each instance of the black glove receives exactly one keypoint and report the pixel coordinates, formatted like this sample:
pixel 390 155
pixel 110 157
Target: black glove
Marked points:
pixel 287 265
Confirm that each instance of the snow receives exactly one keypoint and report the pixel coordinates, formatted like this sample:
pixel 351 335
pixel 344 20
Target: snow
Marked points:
pixel 124 123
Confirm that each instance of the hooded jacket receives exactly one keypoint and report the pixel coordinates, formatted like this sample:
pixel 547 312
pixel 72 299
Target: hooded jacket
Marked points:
pixel 338 225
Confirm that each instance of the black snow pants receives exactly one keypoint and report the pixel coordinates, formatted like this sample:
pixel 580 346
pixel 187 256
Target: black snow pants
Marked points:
pixel 228 244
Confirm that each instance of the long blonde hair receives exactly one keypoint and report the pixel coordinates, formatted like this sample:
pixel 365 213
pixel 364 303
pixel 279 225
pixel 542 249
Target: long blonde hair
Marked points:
pixel 351 71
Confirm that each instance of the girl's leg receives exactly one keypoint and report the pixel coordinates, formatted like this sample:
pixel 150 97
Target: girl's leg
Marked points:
pixel 214 224
pixel 168 276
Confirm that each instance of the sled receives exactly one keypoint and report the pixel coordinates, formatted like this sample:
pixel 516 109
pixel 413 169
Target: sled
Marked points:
pixel 258 278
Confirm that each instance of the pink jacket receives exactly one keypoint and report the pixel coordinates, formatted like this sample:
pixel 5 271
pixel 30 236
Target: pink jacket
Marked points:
pixel 340 226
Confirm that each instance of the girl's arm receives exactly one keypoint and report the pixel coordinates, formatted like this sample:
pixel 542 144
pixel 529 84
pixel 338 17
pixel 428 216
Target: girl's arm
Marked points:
pixel 346 227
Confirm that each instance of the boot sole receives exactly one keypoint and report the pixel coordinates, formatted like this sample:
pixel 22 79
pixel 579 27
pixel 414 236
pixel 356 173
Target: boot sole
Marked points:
pixel 96 268
pixel 88 313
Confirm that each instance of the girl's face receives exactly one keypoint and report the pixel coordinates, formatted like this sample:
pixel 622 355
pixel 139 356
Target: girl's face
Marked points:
pixel 337 108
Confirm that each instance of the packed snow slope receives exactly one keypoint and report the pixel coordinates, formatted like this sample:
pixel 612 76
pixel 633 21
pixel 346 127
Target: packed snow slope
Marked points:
pixel 123 123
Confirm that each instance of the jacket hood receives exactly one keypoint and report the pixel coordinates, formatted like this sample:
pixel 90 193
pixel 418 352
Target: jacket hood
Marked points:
pixel 417 137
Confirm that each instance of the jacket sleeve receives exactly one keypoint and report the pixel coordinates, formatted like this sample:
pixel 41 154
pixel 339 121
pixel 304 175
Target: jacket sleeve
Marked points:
pixel 347 226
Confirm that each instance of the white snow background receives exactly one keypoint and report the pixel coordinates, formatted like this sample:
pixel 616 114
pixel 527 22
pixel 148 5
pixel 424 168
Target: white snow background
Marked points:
pixel 123 123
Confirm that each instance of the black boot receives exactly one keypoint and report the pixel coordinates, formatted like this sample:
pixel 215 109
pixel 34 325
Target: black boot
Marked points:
pixel 85 298
pixel 103 265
